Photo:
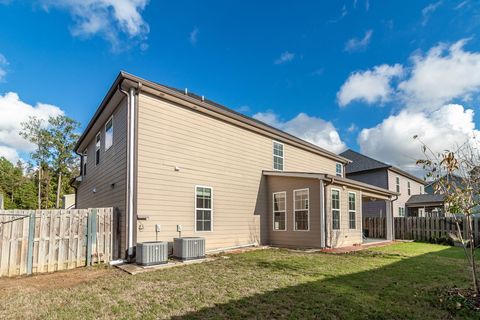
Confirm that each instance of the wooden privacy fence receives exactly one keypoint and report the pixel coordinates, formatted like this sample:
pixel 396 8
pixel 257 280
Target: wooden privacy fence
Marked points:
pixel 432 228
pixel 374 227
pixel 35 241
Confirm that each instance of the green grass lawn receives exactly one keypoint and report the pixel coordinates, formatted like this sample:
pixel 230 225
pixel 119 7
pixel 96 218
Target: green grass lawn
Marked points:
pixel 402 281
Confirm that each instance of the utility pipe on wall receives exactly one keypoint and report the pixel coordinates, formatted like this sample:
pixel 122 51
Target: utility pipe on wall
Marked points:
pixel 131 106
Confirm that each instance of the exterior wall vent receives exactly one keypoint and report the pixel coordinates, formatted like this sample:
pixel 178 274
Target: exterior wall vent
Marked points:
pixel 188 248
pixel 151 253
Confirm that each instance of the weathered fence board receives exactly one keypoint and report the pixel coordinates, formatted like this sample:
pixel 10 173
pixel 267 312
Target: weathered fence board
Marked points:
pixel 375 227
pixel 35 241
pixel 432 228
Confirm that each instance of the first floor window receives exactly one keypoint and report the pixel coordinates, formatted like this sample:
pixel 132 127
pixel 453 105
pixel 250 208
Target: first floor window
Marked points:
pixel 335 209
pixel 352 211
pixel 97 148
pixel 401 212
pixel 279 210
pixel 301 209
pixel 277 156
pixel 203 208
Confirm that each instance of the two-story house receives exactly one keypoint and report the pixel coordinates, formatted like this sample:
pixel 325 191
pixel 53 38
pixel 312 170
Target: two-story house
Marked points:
pixel 174 163
pixel 374 172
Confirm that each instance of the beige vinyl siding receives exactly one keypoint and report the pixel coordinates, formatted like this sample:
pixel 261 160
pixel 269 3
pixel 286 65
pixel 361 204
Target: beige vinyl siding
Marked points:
pixel 208 152
pixel 343 236
pixel 403 197
pixel 290 237
pixel 111 170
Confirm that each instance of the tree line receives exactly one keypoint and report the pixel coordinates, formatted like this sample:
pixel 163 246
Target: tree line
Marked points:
pixel 41 182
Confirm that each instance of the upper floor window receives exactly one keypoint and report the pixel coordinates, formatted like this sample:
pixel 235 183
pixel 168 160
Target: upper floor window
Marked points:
pixel 301 209
pixel 335 209
pixel 277 156
pixel 408 188
pixel 279 210
pixel 352 209
pixel 84 163
pixel 97 148
pixel 339 169
pixel 397 183
pixel 109 134
pixel 203 208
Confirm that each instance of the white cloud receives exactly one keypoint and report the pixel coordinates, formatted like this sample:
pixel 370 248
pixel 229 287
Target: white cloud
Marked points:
pixel 370 86
pixel 13 112
pixel 109 18
pixel 285 57
pixel 428 10
pixel 356 44
pixel 3 65
pixel 392 140
pixel 194 36
pixel 311 129
pixel 353 127
pixel 444 73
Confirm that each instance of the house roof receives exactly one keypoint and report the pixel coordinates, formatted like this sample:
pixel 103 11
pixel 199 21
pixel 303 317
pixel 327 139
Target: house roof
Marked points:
pixel 361 162
pixel 425 198
pixel 333 179
pixel 204 104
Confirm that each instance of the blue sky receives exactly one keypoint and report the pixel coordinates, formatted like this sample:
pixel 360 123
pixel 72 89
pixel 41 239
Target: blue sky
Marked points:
pixel 359 74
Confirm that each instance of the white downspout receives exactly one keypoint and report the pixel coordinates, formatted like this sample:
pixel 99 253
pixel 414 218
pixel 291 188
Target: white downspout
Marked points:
pixel 131 168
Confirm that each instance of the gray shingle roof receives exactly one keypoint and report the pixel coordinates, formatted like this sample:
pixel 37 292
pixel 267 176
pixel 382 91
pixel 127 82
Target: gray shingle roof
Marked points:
pixel 425 198
pixel 361 162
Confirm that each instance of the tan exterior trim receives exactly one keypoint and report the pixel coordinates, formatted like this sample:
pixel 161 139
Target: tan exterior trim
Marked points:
pixel 373 191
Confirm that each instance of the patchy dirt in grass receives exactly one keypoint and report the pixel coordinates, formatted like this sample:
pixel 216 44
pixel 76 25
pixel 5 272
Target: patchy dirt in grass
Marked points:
pixel 55 280
pixel 458 298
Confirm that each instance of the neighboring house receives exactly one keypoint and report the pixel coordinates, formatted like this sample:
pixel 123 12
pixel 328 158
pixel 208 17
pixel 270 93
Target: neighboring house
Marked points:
pixel 171 161
pixel 68 201
pixel 425 205
pixel 377 173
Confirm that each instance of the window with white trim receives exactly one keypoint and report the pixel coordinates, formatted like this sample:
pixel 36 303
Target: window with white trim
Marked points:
pixel 97 148
pixel 84 163
pixel 301 209
pixel 203 208
pixel 339 169
pixel 408 188
pixel 335 209
pixel 397 182
pixel 352 210
pixel 401 212
pixel 109 134
pixel 277 156
pixel 279 210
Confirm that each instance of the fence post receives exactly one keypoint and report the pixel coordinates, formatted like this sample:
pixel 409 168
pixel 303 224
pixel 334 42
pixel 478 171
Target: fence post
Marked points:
pixel 31 236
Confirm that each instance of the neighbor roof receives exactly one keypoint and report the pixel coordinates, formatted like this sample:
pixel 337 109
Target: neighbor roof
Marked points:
pixel 425 198
pixel 361 162
pixel 204 103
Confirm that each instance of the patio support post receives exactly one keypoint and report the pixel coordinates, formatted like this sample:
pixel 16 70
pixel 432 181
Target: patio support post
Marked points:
pixel 389 219
pixel 322 215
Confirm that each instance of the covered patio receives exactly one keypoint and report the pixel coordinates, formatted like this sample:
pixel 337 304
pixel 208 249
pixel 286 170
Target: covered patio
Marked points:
pixel 315 210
